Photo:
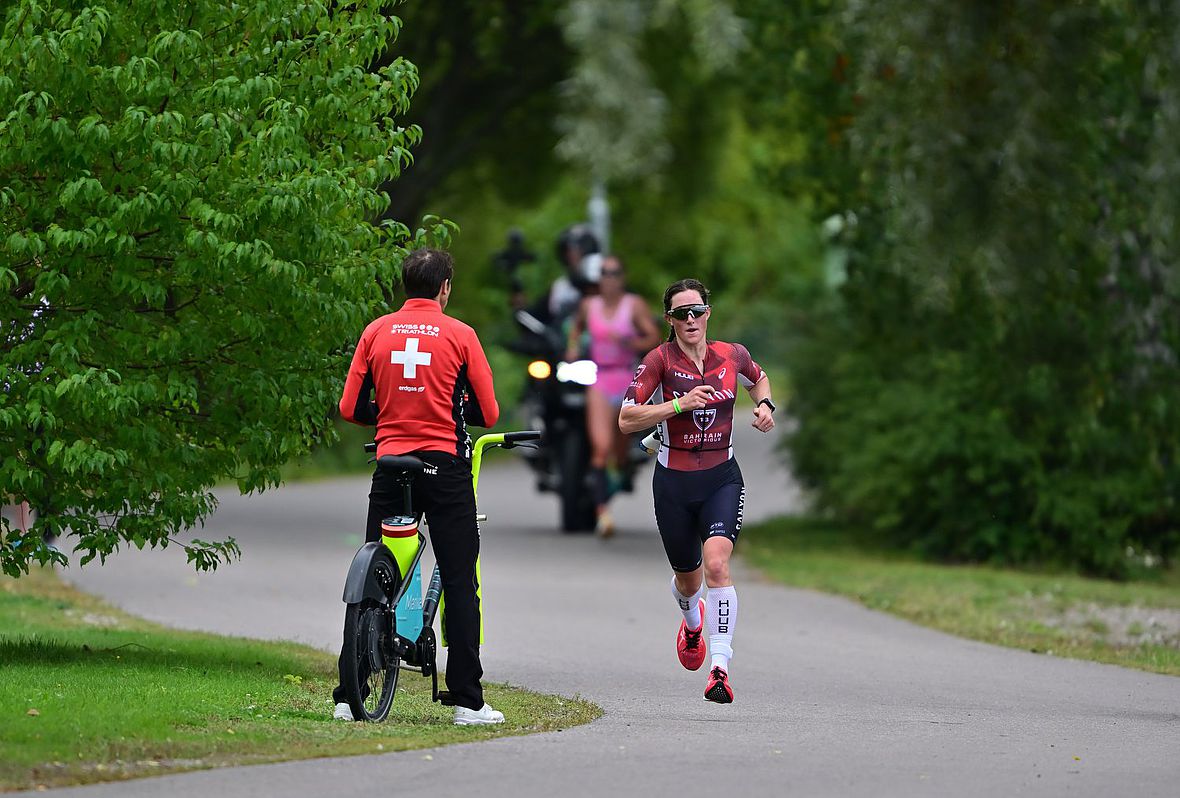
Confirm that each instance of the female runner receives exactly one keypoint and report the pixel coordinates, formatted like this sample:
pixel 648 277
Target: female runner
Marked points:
pixel 688 386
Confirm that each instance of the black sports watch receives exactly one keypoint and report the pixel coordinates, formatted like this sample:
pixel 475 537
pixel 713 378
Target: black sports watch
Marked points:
pixel 766 402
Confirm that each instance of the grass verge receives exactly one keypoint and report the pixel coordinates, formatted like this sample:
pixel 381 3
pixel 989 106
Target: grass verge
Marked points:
pixel 1133 624
pixel 88 693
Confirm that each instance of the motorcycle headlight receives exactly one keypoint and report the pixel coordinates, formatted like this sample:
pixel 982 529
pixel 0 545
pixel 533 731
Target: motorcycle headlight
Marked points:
pixel 539 370
pixel 582 372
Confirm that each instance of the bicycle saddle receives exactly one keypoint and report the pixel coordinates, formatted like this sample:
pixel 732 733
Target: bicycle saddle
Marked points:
pixel 400 462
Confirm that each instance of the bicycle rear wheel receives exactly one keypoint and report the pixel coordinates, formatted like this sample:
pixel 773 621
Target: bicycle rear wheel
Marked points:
pixel 371 667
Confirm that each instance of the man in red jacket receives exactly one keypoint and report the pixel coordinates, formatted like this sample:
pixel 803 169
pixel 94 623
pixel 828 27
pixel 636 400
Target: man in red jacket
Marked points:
pixel 421 377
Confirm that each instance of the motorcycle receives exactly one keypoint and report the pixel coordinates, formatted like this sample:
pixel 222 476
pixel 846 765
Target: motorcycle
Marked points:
pixel 554 402
pixel 554 399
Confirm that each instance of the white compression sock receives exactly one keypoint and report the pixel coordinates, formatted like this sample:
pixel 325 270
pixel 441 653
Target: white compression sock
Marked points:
pixel 689 605
pixel 721 608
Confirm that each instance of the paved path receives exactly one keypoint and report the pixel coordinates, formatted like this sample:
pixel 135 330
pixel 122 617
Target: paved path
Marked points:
pixel 832 699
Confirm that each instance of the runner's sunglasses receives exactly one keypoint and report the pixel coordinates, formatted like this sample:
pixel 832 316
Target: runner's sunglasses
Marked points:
pixel 681 313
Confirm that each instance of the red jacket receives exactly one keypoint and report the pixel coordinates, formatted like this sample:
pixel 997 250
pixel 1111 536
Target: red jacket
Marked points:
pixel 430 376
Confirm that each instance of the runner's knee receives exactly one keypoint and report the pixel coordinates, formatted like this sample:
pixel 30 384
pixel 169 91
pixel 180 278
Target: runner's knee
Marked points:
pixel 688 583
pixel 715 555
pixel 716 571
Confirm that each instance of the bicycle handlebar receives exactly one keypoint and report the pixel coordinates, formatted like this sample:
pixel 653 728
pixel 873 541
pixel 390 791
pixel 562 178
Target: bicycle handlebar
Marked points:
pixel 513 438
pixel 507 440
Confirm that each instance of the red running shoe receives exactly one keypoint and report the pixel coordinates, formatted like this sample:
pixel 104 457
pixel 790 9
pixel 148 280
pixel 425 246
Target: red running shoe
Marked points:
pixel 718 689
pixel 690 648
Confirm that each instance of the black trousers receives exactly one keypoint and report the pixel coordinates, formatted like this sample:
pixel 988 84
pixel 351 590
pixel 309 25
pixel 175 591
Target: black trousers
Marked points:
pixel 447 497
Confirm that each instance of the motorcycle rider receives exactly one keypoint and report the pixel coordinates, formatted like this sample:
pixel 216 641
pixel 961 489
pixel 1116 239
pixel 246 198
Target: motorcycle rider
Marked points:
pixel 578 252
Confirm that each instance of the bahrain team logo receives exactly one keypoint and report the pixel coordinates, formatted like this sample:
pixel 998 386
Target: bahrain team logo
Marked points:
pixel 704 417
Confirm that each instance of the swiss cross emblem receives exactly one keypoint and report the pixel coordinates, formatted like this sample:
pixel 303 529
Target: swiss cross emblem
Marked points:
pixel 704 417
pixel 410 358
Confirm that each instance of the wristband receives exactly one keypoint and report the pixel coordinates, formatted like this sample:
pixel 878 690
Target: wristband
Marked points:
pixel 676 405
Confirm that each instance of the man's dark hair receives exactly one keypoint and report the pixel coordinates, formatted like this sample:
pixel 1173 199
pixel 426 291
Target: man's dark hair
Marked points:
pixel 424 271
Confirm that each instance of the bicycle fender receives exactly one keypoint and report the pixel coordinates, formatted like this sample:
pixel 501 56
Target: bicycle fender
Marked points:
pixel 360 584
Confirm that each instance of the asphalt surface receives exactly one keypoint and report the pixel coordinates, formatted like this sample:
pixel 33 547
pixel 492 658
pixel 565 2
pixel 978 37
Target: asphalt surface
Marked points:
pixel 831 698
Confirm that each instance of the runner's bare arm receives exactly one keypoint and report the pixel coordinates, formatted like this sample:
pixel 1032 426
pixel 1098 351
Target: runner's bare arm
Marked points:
pixel 649 334
pixel 577 327
pixel 633 418
pixel 763 415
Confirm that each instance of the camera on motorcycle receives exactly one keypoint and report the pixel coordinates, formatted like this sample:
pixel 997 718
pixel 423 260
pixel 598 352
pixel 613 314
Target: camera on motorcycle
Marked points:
pixel 510 259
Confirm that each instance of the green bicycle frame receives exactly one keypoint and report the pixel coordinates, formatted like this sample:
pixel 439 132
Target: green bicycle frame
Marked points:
pixel 483 442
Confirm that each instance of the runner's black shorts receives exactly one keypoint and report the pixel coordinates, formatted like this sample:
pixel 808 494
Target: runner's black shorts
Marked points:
pixel 693 506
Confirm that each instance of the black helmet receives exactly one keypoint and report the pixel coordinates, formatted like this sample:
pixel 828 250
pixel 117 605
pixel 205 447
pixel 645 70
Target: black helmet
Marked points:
pixel 578 236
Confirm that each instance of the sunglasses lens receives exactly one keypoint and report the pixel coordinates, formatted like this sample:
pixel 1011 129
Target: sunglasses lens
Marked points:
pixel 681 313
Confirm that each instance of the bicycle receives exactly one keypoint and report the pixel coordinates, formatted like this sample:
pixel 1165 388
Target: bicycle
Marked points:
pixel 380 585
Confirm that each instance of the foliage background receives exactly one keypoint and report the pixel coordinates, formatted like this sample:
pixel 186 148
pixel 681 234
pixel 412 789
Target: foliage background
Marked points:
pixel 996 380
pixel 948 230
pixel 953 226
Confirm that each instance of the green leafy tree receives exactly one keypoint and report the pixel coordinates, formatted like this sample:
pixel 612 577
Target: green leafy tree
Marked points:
pixel 613 123
pixel 186 252
pixel 523 104
pixel 515 86
pixel 487 98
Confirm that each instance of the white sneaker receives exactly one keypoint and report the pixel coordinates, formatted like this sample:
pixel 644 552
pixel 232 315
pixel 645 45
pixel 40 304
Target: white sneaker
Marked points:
pixel 604 527
pixel 485 716
pixel 343 712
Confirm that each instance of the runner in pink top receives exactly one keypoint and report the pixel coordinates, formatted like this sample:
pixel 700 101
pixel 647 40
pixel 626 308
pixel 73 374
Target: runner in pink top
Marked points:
pixel 610 349
pixel 621 330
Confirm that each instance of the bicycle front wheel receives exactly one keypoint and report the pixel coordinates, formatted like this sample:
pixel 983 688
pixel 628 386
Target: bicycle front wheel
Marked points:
pixel 371 666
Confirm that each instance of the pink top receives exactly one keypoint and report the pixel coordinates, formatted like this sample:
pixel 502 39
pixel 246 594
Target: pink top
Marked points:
pixel 609 335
